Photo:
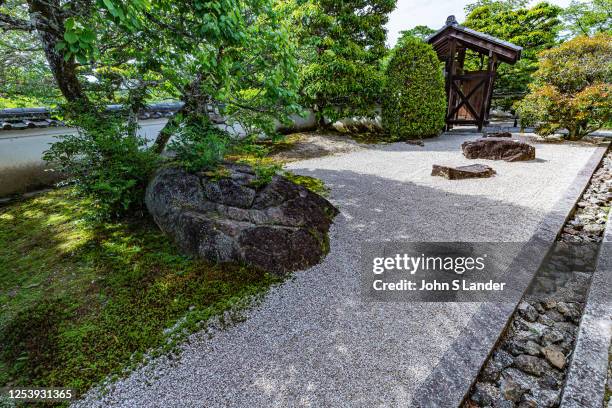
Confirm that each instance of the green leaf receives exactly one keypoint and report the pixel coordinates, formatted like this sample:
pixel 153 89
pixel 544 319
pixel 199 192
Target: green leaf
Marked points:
pixel 81 58
pixel 110 7
pixel 71 37
pixel 88 36
pixel 69 24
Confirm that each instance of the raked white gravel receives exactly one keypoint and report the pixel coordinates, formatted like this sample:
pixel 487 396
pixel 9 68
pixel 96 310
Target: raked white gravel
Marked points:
pixel 313 341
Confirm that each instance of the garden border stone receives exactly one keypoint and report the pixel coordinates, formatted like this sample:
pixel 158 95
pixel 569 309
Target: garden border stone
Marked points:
pixel 588 371
pixel 455 374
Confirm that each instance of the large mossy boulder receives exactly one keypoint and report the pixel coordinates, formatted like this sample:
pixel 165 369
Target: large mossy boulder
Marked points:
pixel 279 227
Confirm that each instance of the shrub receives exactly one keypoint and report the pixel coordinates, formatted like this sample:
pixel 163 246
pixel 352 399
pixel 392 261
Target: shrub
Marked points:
pixel 414 104
pixel 199 145
pixel 572 89
pixel 106 161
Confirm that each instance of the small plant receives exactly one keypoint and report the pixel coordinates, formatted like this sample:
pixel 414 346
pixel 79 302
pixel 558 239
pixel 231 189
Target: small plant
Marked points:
pixel 414 103
pixel 574 94
pixel 199 145
pixel 106 161
pixel 264 173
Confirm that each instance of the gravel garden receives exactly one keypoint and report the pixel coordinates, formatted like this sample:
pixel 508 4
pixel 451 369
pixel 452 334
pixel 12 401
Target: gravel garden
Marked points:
pixel 221 256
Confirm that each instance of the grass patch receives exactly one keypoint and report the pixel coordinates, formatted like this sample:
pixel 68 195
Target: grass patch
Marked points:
pixel 79 303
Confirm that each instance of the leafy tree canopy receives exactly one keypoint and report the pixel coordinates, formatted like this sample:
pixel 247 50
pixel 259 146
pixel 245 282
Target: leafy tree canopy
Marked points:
pixel 575 95
pixel 535 29
pixel 588 18
pixel 497 5
pixel 421 32
pixel 341 44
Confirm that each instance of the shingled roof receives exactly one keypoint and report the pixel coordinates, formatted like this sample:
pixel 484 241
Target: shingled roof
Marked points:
pixel 477 41
pixel 29 118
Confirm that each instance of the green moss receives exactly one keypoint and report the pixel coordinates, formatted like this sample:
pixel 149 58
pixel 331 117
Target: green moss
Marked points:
pixel 260 153
pixel 371 138
pixel 81 302
pixel 311 183
pixel 280 144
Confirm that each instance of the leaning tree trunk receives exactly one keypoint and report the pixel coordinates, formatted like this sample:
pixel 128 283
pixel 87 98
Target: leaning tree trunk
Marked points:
pixel 47 17
pixel 168 131
pixel 195 104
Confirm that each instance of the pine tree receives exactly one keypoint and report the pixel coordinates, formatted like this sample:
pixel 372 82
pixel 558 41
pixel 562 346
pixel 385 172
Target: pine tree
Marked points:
pixel 342 43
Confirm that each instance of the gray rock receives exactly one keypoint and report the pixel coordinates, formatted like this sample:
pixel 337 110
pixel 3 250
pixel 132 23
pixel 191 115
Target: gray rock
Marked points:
pixel 555 316
pixel 537 329
pixel 485 394
pixel 495 365
pixel 570 310
pixel 518 347
pixel 514 383
pixel 552 336
pixel 531 365
pixel 594 228
pixel 503 403
pixel 279 227
pixel 528 312
pixel 549 303
pixel 539 398
pixel 549 381
pixel 555 356
pixel 546 320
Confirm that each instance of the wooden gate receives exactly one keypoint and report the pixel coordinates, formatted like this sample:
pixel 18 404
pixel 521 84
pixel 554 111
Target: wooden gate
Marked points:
pixel 468 95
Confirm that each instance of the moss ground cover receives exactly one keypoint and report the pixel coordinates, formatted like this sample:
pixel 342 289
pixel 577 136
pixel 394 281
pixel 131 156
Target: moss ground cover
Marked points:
pixel 79 303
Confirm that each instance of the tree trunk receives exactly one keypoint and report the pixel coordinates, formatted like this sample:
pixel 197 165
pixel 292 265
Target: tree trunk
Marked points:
pixel 167 131
pixel 194 104
pixel 47 17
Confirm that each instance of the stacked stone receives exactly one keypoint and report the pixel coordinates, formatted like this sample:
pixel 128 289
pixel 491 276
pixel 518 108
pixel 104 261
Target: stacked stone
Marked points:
pixel 589 221
pixel 528 367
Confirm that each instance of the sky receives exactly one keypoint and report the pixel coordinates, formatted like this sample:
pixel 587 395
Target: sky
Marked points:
pixel 432 13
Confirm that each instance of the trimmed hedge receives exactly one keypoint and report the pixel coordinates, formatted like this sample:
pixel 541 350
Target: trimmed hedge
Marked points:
pixel 414 104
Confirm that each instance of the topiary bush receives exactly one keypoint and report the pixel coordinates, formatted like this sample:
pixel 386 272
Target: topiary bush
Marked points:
pixel 572 88
pixel 414 103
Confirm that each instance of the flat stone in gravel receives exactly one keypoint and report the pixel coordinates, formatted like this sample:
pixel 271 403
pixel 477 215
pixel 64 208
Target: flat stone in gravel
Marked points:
pixel 314 341
pixel 463 172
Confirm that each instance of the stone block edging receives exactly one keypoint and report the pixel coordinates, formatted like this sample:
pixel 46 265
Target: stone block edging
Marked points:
pixel 588 370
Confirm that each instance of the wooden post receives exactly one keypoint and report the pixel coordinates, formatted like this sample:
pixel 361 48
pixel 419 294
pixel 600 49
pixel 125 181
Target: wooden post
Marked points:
pixel 492 85
pixel 450 76
pixel 487 91
pixel 461 59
